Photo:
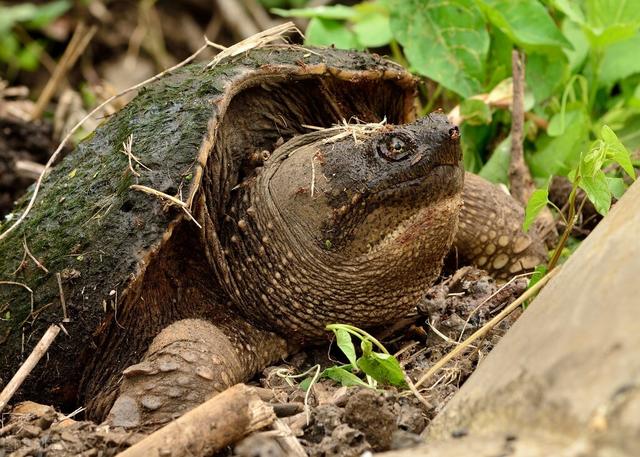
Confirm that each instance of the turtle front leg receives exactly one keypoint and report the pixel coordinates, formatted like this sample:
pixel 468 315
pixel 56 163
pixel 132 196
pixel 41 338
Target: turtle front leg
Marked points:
pixel 490 233
pixel 187 363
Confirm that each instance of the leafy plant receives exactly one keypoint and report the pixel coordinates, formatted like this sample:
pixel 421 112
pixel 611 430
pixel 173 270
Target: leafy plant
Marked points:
pixel 367 370
pixel 591 176
pixel 13 51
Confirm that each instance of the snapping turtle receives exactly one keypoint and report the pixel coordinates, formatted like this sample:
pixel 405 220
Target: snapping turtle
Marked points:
pixel 206 230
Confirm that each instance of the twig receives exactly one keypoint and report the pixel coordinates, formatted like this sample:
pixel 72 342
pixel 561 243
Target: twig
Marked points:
pixel 127 145
pixel 41 348
pixel 519 176
pixel 288 440
pixel 500 289
pixel 24 286
pixel 31 256
pixel 65 317
pixel 28 169
pixel 486 327
pixel 78 43
pixel 174 200
pixel 64 141
pixel 220 421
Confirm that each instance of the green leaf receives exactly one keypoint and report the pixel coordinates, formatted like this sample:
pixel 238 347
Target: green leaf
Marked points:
pixel 597 191
pixel 343 340
pixel 574 33
pixel 325 12
pixel 571 9
pixel 327 32
pixel 538 200
pixel 616 186
pixel 557 156
pixel 305 384
pixel 497 167
pixel 366 346
pixel 545 73
pixel 35 16
pixel 384 368
pixel 445 41
pixel 473 140
pixel 344 377
pixel 538 273
pixel 526 22
pixel 499 60
pixel 29 56
pixel 611 21
pixel 47 12
pixel 372 30
pixel 475 112
pixel 620 60
pixel 559 121
pixel 616 151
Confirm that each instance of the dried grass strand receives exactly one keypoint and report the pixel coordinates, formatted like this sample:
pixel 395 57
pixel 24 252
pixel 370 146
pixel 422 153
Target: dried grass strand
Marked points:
pixel 255 41
pixel 170 198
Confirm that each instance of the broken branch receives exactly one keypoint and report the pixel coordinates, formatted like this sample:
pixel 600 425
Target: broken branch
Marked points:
pixel 41 348
pixel 220 421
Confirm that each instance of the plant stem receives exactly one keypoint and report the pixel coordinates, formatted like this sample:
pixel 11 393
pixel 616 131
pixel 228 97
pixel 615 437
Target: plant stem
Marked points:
pixel 571 219
pixel 359 333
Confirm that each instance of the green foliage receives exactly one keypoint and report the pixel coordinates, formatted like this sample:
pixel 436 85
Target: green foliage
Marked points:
pixel 377 367
pixel 538 200
pixel 595 175
pixel 15 53
pixel 582 70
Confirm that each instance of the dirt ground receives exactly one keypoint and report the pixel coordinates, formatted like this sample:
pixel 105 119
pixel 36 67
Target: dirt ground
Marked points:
pixel 339 421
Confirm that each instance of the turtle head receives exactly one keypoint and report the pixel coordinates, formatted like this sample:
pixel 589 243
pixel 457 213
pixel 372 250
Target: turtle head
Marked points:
pixel 353 230
pixel 386 191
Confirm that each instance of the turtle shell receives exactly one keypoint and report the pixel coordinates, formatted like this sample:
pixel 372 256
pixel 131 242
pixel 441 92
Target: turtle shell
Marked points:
pixel 122 259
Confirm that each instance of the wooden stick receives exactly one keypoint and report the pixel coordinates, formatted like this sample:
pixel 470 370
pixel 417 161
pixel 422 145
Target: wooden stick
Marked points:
pixel 78 43
pixel 288 440
pixel 28 169
pixel 519 176
pixel 220 421
pixel 486 327
pixel 41 348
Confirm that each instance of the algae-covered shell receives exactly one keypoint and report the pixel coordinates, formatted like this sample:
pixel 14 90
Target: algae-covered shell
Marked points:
pixel 120 255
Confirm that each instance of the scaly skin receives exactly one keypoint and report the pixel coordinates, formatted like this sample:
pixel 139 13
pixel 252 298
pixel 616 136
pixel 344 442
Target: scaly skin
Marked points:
pixel 360 245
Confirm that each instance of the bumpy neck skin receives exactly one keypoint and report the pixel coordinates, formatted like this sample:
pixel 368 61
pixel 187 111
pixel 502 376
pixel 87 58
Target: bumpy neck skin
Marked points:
pixel 344 231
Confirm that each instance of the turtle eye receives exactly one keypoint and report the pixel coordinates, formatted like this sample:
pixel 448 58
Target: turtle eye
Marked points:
pixel 393 148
